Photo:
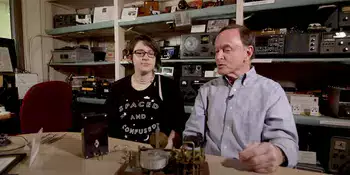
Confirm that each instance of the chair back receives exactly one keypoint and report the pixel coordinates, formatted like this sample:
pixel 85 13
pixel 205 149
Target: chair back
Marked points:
pixel 47 105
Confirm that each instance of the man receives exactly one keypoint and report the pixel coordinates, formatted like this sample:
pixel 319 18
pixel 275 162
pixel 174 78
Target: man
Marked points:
pixel 244 115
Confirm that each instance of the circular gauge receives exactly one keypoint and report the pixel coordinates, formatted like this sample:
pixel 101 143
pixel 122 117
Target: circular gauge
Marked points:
pixel 191 43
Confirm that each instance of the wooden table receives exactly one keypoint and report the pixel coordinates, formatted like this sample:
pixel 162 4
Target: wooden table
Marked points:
pixel 65 157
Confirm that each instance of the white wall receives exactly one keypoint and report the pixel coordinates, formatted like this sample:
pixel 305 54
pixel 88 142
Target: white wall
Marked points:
pixel 5 19
pixel 37 49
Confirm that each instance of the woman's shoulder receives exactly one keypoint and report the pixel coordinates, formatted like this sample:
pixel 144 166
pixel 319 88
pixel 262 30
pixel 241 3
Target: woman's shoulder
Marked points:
pixel 121 82
pixel 167 80
pixel 169 84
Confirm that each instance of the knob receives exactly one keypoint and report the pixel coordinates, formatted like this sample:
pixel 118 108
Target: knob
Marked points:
pixel 342 156
pixel 335 155
pixel 184 83
pixel 312 48
pixel 345 18
pixel 312 44
pixel 313 39
pixel 341 42
pixel 345 49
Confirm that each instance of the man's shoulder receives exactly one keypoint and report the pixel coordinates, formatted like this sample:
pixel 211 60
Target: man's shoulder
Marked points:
pixel 266 84
pixel 213 82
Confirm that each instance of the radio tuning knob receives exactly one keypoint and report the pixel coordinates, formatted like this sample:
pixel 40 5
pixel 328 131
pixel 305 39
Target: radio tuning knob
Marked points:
pixel 345 49
pixel 341 42
pixel 346 18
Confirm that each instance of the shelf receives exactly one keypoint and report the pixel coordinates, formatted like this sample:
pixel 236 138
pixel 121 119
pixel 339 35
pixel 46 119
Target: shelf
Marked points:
pixel 227 11
pixel 264 60
pixel 101 63
pixel 80 4
pixel 98 101
pixel 310 120
pixel 322 121
pixel 93 30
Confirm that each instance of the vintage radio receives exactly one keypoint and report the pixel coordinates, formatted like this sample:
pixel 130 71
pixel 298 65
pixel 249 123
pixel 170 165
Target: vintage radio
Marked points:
pixel 339 154
pixel 192 70
pixel 302 44
pixel 269 45
pixel 339 102
pixel 94 135
pixel 71 20
pixel 344 16
pixel 169 52
pixel 189 87
pixel 198 46
pixel 93 87
pixel 72 55
pixel 335 43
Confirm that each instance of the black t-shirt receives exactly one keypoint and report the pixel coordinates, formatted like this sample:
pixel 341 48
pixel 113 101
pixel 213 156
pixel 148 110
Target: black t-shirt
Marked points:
pixel 134 115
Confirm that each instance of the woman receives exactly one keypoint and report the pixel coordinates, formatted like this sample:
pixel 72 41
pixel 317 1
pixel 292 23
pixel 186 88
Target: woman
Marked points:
pixel 140 103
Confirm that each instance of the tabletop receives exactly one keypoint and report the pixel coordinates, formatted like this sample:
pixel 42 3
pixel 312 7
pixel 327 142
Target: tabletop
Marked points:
pixel 65 157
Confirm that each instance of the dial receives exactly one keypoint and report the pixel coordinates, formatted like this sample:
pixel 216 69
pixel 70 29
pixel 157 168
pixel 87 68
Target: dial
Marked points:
pixel 191 43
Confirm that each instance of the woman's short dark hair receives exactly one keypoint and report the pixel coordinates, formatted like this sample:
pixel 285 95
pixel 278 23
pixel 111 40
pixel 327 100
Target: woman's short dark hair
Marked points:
pixel 146 40
pixel 247 36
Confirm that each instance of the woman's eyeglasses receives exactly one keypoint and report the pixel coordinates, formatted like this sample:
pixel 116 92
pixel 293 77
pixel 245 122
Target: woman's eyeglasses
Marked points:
pixel 142 53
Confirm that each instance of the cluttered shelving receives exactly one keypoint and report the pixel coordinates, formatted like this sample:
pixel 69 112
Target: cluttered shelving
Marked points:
pixel 98 63
pixel 226 11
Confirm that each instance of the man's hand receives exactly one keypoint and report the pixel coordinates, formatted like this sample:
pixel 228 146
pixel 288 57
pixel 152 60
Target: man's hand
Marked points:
pixel 262 157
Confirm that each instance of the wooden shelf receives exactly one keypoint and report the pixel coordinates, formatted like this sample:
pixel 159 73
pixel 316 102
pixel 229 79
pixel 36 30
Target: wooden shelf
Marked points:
pixel 101 63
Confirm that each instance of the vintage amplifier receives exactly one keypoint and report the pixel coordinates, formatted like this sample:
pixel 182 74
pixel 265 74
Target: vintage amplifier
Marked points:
pixel 339 154
pixel 94 135
pixel 339 102
pixel 335 43
pixel 269 45
pixel 344 16
pixel 72 55
pixel 302 44
pixel 199 45
pixel 71 20
pixel 192 70
pixel 189 87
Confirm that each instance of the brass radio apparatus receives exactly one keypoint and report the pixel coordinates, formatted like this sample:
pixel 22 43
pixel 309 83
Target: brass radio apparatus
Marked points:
pixel 198 46
pixel 188 160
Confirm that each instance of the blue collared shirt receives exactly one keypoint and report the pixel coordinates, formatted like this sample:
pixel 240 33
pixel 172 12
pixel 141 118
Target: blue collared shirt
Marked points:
pixel 252 109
